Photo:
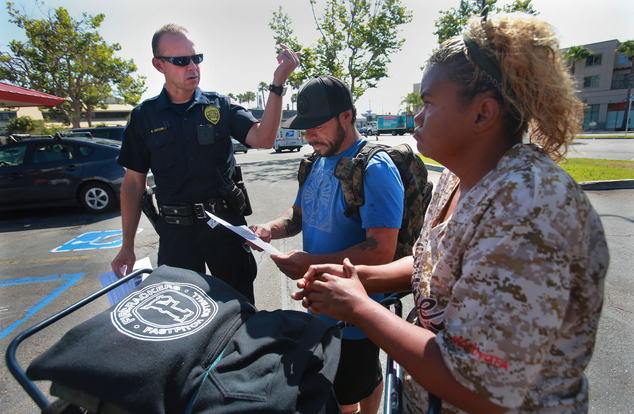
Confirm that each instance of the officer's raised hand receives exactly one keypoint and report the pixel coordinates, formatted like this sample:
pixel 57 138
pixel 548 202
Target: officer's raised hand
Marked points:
pixel 288 61
pixel 263 135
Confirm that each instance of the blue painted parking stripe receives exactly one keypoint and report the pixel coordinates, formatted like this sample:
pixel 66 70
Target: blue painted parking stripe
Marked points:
pixel 68 281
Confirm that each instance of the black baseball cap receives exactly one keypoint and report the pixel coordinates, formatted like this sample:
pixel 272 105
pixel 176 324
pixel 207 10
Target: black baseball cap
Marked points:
pixel 318 101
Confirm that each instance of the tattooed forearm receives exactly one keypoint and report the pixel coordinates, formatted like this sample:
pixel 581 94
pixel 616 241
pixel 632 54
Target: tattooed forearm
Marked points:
pixel 293 221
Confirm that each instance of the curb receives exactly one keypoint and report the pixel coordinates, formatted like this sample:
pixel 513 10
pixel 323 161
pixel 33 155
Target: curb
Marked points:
pixel 586 185
pixel 608 185
pixel 434 167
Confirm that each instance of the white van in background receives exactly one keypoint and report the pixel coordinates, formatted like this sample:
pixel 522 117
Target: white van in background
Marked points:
pixel 289 139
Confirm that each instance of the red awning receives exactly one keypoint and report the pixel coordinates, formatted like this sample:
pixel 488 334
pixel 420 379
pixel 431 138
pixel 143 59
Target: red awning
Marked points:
pixel 12 96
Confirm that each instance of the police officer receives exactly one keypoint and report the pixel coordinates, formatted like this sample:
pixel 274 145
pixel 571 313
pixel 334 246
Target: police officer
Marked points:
pixel 183 136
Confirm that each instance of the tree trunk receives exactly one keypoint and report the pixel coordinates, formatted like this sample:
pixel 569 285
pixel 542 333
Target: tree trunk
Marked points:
pixel 88 115
pixel 76 114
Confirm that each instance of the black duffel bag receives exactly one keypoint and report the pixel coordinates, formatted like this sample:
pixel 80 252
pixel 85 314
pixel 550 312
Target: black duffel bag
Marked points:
pixel 185 342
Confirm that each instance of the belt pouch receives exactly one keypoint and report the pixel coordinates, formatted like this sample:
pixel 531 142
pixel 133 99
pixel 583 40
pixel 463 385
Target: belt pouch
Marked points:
pixel 182 210
pixel 181 220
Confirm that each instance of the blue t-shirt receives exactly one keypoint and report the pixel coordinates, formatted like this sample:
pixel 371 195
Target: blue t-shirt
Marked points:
pixel 326 229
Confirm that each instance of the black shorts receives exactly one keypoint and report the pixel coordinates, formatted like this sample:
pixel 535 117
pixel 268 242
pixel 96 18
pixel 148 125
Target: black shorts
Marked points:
pixel 359 371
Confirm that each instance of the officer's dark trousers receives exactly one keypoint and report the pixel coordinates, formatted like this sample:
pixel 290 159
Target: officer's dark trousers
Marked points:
pixel 226 254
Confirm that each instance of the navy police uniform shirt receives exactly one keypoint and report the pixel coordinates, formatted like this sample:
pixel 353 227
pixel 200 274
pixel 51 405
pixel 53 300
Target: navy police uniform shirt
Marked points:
pixel 185 145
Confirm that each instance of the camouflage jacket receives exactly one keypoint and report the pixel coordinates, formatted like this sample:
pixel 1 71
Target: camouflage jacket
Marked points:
pixel 513 285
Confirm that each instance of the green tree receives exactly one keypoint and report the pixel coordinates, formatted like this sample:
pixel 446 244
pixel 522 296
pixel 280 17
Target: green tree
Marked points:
pixel 232 96
pixel 50 129
pixel 68 58
pixel 453 21
pixel 356 40
pixel 412 102
pixel 627 49
pixel 283 34
pixel 575 54
pixel 262 88
pixel 21 125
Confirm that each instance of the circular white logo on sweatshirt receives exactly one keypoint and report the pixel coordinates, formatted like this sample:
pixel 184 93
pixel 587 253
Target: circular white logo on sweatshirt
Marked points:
pixel 164 311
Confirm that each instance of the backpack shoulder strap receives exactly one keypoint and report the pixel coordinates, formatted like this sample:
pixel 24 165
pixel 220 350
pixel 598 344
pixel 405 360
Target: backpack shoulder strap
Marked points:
pixel 369 150
pixel 350 171
pixel 305 165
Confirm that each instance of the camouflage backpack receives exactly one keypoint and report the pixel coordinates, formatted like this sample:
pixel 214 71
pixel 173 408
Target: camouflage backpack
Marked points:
pixel 418 189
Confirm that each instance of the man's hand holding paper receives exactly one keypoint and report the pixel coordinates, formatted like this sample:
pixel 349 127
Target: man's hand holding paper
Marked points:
pixel 243 231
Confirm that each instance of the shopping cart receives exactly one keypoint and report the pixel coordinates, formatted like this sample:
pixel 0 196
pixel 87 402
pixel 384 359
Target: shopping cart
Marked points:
pixel 12 364
pixel 393 393
pixel 70 397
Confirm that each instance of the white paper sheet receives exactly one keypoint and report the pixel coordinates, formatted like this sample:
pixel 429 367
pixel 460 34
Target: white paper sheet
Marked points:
pixel 244 232
pixel 115 295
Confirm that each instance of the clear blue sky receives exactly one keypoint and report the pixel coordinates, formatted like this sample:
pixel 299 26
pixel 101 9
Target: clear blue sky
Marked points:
pixel 240 52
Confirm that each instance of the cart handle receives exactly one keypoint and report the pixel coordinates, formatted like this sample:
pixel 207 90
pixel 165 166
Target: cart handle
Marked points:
pixel 11 360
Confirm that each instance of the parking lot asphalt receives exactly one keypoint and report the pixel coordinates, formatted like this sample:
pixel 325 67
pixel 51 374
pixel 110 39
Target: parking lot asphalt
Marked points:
pixel 27 239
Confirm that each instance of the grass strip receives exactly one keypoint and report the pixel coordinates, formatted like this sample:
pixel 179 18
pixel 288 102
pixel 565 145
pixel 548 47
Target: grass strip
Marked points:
pixel 588 169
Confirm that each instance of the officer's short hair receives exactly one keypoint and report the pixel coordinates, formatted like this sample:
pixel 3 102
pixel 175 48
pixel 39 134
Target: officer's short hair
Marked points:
pixel 168 28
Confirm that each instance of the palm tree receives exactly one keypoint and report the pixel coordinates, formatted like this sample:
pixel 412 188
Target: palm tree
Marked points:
pixel 627 49
pixel 249 96
pixel 574 54
pixel 240 97
pixel 412 102
pixel 262 87
pixel 232 96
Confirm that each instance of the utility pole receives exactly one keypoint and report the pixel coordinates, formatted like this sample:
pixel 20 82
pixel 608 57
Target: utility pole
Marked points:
pixel 628 108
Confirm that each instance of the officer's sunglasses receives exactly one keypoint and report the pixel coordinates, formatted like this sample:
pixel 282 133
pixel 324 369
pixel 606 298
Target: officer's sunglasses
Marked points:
pixel 182 60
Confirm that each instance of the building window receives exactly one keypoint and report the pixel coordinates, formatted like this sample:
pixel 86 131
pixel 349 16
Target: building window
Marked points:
pixel 621 81
pixel 109 115
pixel 591 116
pixel 49 116
pixel 623 58
pixel 591 82
pixel 6 115
pixel 616 113
pixel 594 60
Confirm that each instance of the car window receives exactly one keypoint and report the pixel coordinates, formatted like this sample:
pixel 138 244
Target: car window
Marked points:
pixel 53 152
pixel 86 151
pixel 13 155
pixel 114 133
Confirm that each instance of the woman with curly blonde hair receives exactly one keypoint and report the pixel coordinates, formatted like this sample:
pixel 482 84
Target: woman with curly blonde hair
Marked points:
pixel 509 268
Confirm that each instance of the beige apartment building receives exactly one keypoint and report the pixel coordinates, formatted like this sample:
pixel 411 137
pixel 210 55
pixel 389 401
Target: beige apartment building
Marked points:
pixel 602 82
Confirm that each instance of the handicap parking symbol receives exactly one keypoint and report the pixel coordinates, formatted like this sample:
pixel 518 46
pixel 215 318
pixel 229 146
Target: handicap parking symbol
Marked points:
pixel 93 240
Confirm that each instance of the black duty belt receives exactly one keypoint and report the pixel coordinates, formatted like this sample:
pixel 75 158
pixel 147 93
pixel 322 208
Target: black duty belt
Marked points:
pixel 183 213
